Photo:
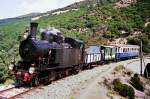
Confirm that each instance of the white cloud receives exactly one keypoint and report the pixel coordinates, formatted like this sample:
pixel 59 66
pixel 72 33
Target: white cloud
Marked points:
pixel 44 5
pixel 11 8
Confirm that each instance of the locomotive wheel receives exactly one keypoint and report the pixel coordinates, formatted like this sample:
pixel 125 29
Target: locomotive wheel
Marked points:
pixel 76 70
pixel 79 68
pixel 52 76
pixel 35 81
pixel 18 81
pixel 89 66
pixel 66 72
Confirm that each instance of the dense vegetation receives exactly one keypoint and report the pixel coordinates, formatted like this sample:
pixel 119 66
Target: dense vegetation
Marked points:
pixel 93 22
pixel 9 41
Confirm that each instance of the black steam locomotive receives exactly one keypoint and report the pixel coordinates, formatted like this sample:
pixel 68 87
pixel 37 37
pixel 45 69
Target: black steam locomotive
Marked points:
pixel 48 58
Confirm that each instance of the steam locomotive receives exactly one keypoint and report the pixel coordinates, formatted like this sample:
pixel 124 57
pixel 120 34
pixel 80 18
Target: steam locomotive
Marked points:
pixel 47 58
pixel 54 56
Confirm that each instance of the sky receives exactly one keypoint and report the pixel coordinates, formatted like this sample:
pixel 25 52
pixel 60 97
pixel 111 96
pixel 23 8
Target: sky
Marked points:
pixel 13 8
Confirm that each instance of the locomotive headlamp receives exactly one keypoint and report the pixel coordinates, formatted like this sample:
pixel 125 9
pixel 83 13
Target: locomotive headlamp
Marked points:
pixel 11 67
pixel 31 70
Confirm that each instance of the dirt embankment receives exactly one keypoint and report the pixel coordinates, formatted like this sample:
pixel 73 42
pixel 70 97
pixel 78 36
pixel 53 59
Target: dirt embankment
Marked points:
pixel 124 3
pixel 104 88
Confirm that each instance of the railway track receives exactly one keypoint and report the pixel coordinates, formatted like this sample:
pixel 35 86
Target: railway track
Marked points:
pixel 13 92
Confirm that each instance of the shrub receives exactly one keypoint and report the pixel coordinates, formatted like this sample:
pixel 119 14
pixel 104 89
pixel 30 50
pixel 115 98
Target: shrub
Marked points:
pixel 72 97
pixel 108 34
pixel 136 83
pixel 3 75
pixel 123 89
pixel 132 40
pixel 136 41
pixel 120 67
pixel 147 29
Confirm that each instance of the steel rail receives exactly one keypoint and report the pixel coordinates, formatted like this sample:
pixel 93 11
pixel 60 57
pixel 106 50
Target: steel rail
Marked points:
pixel 17 94
pixel 1 91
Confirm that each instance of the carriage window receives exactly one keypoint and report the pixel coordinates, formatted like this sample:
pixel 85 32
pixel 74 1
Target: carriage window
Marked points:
pixel 116 49
pixel 123 49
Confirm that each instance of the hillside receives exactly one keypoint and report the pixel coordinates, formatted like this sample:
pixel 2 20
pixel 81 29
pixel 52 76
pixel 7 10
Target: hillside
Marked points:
pixel 94 21
pixel 103 22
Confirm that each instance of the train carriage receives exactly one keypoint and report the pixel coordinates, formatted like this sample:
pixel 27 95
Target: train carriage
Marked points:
pixel 109 53
pixel 126 51
pixel 93 54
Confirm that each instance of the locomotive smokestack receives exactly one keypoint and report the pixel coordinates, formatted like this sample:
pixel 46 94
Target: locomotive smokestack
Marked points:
pixel 33 29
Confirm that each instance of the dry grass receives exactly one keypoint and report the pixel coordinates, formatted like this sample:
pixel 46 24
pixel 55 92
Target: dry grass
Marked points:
pixel 71 97
pixel 110 94
pixel 118 68
pixel 106 83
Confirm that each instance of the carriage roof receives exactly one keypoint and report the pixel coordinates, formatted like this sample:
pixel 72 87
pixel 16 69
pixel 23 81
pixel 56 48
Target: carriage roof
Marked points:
pixel 120 45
